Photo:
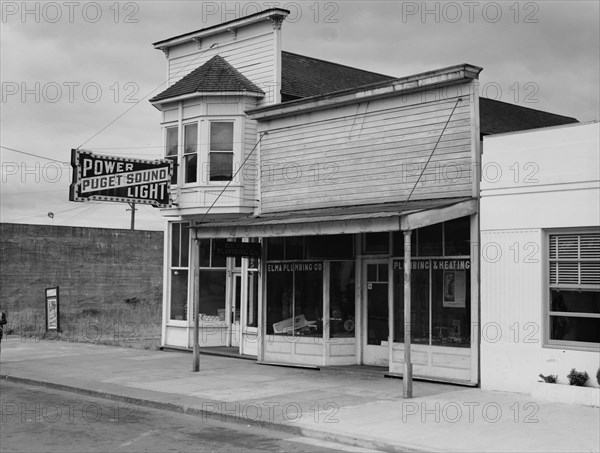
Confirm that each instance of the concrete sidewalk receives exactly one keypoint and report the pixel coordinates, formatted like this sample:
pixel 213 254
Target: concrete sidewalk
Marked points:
pixel 358 408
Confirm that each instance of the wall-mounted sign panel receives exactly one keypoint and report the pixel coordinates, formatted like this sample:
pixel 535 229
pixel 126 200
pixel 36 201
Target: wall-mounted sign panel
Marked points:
pixel 52 314
pixel 110 178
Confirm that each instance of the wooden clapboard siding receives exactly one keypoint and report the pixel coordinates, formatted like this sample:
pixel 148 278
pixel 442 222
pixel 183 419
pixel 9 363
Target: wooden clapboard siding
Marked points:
pixel 249 178
pixel 254 57
pixel 368 152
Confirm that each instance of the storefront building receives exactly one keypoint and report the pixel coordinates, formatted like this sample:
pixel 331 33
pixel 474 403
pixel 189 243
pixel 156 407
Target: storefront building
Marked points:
pixel 308 192
pixel 540 271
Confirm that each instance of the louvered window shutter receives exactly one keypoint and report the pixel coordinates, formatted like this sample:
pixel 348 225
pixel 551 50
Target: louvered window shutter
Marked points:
pixel 574 259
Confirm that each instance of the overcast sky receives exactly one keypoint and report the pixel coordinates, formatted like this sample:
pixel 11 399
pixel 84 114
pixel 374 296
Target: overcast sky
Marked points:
pixel 68 69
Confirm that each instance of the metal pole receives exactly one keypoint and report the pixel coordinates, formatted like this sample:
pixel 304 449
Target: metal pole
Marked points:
pixel 407 390
pixel 196 310
pixel 132 206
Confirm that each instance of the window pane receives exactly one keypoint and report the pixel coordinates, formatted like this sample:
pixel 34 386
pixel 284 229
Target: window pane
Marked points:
pixel 308 292
pixel 376 243
pixel 341 299
pixel 451 308
pixel 212 295
pixel 190 148
pixel 429 240
pixel 204 252
pixel 175 241
pixel 398 248
pixel 295 299
pixel 185 244
pixel 221 166
pixel 190 139
pixel 275 248
pixel 294 248
pixel 171 151
pixel 218 260
pixel 419 302
pixel 252 319
pixel 175 167
pixel 570 328
pixel 221 136
pixel 377 313
pixel 457 236
pixel 179 280
pixel 190 163
pixel 339 246
pixel 575 301
pixel 172 140
pixel 280 300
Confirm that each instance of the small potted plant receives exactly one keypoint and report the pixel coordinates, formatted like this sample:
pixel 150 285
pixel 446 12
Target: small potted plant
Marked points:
pixel 577 378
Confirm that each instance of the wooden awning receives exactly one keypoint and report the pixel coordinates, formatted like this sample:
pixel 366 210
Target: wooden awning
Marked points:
pixel 371 218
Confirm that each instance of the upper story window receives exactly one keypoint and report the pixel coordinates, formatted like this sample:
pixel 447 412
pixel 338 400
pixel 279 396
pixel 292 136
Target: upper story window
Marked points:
pixel 190 153
pixel 221 151
pixel 172 150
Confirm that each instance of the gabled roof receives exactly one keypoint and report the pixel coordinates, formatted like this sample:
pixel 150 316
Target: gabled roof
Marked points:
pixel 496 117
pixel 303 77
pixel 214 76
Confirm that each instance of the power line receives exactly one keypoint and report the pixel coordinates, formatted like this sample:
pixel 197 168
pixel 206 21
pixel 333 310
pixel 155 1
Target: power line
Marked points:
pixel 34 155
pixel 140 100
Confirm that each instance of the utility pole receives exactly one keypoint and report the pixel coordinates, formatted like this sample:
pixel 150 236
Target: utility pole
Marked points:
pixel 133 209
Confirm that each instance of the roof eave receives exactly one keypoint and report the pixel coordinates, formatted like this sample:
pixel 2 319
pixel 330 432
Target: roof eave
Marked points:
pixel 223 27
pixel 198 94
pixel 451 75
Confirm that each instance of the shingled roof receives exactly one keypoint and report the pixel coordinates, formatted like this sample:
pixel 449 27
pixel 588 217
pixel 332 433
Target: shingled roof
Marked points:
pixel 214 76
pixel 303 77
pixel 496 117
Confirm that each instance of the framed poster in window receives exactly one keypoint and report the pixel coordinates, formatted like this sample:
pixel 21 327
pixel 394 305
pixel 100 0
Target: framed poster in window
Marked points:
pixel 52 314
pixel 454 289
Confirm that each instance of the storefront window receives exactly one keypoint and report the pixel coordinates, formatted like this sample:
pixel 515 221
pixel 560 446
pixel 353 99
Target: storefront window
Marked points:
pixel 419 302
pixel 212 281
pixel 252 309
pixel 295 298
pixel 457 234
pixel 212 295
pixel 451 303
pixel 341 299
pixel 179 270
pixel 179 282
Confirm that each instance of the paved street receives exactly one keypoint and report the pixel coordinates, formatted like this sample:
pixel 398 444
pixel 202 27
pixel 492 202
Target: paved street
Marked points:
pixel 36 419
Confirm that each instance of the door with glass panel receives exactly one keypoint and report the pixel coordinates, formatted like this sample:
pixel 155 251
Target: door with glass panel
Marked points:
pixel 375 312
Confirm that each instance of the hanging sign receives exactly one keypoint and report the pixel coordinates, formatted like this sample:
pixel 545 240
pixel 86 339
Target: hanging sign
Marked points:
pixel 111 178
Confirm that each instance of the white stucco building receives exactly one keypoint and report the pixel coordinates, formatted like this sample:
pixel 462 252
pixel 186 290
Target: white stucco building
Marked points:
pixel 540 261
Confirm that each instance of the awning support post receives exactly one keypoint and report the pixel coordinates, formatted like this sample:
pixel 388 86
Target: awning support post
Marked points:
pixel 196 304
pixel 407 390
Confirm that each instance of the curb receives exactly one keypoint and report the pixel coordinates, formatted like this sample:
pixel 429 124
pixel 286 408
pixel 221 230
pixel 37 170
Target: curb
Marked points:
pixel 344 439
